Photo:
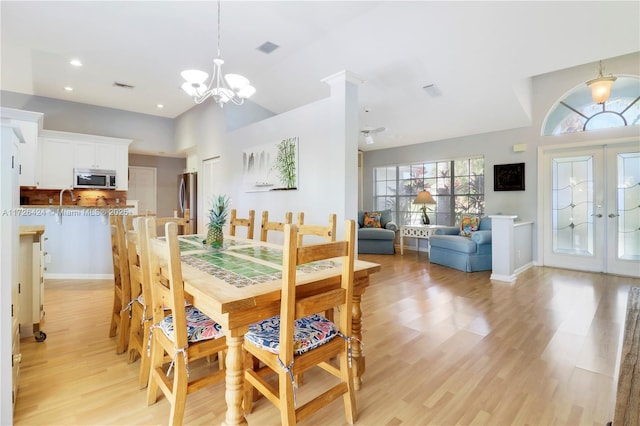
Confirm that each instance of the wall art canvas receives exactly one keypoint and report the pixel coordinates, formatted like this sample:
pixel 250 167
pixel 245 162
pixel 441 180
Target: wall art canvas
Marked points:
pixel 508 177
pixel 271 167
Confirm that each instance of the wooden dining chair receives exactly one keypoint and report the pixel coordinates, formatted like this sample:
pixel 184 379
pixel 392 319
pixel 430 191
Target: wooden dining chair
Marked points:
pixel 298 339
pixel 327 232
pixel 234 222
pixel 273 226
pixel 183 336
pixel 140 305
pixel 121 287
pixel 184 222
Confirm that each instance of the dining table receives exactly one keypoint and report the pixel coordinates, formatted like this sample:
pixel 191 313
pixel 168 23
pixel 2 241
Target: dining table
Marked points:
pixel 239 283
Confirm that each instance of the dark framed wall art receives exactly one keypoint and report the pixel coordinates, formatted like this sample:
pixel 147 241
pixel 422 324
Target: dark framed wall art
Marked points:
pixel 508 177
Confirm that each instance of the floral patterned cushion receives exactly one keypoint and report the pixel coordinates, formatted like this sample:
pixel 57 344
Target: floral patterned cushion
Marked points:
pixel 199 326
pixel 309 333
pixel 468 225
pixel 372 220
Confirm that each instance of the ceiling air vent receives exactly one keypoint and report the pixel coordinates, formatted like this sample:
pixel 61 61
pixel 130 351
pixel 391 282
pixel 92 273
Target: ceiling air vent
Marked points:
pixel 267 47
pixel 123 85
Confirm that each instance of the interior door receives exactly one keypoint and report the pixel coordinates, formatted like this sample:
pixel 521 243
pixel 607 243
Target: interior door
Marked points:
pixel 591 209
pixel 142 187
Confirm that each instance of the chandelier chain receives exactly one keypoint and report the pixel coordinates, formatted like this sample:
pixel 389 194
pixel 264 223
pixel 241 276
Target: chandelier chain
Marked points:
pixel 218 28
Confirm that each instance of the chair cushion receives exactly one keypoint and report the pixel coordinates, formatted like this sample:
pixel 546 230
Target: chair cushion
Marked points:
pixel 453 242
pixel 375 234
pixel 385 217
pixel 308 333
pixel 199 326
pixel 372 219
pixel 468 225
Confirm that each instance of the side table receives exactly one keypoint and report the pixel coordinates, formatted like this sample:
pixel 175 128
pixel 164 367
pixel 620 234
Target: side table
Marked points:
pixel 418 232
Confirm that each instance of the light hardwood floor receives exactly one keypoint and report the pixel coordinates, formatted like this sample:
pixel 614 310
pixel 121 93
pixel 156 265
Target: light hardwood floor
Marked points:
pixel 443 347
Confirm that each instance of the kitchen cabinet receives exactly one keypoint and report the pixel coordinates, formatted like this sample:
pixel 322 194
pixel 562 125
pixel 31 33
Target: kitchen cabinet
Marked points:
pixel 9 306
pixel 30 125
pixel 31 281
pixel 57 163
pixel 95 156
pixel 61 152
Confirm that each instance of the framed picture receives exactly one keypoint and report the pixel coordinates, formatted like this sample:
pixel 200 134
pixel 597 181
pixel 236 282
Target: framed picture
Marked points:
pixel 508 177
pixel 271 167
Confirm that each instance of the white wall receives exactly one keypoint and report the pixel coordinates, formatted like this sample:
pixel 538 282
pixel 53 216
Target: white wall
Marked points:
pixel 323 168
pixel 149 133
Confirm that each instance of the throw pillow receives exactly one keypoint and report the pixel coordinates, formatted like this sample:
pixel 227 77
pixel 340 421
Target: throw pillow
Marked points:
pixel 372 219
pixel 468 225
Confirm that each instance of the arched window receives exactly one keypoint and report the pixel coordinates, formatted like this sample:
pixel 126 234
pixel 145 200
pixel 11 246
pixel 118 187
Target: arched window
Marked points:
pixel 577 112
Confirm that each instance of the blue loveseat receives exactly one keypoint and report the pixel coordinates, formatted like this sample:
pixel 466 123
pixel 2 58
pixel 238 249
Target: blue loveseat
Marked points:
pixel 377 240
pixel 468 254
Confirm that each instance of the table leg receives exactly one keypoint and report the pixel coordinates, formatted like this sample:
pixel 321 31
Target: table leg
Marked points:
pixel 357 357
pixel 401 242
pixel 234 382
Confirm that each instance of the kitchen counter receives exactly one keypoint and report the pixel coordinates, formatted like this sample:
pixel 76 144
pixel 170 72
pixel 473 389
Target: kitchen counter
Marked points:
pixel 78 238
pixel 35 230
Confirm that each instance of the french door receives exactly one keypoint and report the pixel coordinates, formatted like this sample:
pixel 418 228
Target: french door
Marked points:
pixel 591 199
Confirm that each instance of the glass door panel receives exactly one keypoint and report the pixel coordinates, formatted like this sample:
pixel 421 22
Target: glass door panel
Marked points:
pixel 628 192
pixel 572 188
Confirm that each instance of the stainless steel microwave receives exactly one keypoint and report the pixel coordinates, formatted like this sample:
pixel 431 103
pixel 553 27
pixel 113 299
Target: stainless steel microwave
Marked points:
pixel 94 179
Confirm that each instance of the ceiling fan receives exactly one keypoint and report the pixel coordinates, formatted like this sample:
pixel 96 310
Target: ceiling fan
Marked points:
pixel 368 132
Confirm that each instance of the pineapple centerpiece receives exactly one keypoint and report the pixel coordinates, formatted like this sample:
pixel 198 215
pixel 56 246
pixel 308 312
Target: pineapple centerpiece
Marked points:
pixel 217 218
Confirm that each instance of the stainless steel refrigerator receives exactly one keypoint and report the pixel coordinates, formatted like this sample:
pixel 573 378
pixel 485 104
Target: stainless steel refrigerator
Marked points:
pixel 188 197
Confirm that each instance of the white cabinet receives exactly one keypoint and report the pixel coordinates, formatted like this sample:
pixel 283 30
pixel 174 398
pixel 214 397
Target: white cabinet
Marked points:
pixel 57 163
pixel 122 167
pixel 9 326
pixel 30 125
pixel 31 281
pixel 61 152
pixel 95 156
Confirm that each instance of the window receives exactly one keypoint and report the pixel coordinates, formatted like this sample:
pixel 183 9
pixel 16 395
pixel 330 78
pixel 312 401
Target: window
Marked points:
pixel 457 187
pixel 576 111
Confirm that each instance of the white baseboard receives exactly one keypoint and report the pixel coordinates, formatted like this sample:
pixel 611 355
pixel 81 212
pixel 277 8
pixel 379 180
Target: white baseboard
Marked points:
pixel 523 268
pixel 48 276
pixel 505 278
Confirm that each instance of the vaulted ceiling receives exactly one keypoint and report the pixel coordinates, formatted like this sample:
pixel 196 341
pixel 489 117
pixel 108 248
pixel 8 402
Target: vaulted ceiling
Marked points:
pixel 479 55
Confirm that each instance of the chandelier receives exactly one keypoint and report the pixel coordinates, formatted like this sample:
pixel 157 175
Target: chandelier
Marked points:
pixel 231 87
pixel 601 86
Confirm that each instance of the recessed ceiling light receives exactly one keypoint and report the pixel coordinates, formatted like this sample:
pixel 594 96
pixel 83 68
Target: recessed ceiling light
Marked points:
pixel 75 62
pixel 160 106
pixel 68 88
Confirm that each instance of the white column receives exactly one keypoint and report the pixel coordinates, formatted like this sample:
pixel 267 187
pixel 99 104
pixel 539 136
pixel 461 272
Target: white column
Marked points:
pixel 503 263
pixel 344 127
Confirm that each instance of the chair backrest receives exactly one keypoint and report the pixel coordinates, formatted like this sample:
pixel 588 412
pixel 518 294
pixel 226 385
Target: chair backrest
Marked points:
pixel 290 308
pixel 165 277
pixel 119 257
pixel 273 226
pixel 131 218
pixel 138 261
pixel 327 232
pixel 184 222
pixel 249 223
